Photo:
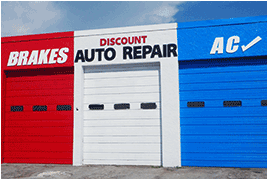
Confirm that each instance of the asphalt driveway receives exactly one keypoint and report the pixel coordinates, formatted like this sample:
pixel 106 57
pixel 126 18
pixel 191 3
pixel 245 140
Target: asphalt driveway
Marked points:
pixel 52 171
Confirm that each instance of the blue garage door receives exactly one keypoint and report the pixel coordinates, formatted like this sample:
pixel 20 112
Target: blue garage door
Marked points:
pixel 224 112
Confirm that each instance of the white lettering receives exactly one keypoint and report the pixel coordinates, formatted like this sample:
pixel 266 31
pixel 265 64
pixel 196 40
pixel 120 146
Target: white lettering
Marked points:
pixel 52 56
pixel 33 58
pixel 13 58
pixel 217 46
pixel 63 55
pixel 43 56
pixel 23 56
pixel 232 40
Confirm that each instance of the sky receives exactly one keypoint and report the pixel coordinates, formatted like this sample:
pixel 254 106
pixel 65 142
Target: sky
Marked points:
pixel 36 17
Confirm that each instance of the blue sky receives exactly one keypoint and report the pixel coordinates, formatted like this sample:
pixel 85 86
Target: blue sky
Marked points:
pixel 20 18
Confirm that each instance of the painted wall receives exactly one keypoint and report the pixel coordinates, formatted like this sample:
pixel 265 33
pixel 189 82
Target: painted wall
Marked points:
pixel 238 37
pixel 165 44
pixel 37 70
pixel 157 44
pixel 223 60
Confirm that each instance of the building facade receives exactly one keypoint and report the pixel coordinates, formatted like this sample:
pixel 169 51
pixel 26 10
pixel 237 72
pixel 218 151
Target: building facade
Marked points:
pixel 179 94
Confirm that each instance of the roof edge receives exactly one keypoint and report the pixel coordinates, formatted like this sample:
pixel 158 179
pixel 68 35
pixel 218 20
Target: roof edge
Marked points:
pixel 223 22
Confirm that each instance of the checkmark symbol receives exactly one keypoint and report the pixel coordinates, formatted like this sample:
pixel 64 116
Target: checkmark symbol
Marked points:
pixel 253 42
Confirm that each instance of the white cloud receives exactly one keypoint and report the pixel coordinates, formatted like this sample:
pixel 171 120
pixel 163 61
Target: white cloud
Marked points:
pixel 160 12
pixel 19 18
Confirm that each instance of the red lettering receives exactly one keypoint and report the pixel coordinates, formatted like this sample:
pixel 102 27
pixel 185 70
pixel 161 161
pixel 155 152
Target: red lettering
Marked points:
pixel 144 37
pixel 124 40
pixel 129 40
pixel 137 39
pixel 112 41
pixel 102 42
pixel 116 41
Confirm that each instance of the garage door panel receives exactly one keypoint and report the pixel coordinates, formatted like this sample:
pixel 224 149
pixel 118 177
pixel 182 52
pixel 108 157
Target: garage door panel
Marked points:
pixel 121 74
pixel 220 138
pixel 124 148
pixel 29 108
pixel 38 139
pixel 123 114
pixel 225 77
pixel 120 98
pixel 215 129
pixel 117 162
pixel 224 112
pixel 42 92
pixel 127 131
pixel 129 122
pixel 41 115
pixel 122 139
pixel 225 157
pixel 121 136
pixel 225 130
pixel 39 147
pixel 42 131
pixel 123 82
pixel 217 103
pixel 27 155
pixel 41 100
pixel 202 70
pixel 227 148
pixel 123 156
pixel 55 77
pixel 38 123
pixel 35 85
pixel 108 106
pixel 121 90
pixel 39 160
pixel 225 120
pixel 227 95
pixel 243 164
pixel 224 86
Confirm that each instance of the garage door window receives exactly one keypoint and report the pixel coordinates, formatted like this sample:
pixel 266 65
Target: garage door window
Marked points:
pixel 16 108
pixel 96 106
pixel 196 104
pixel 122 106
pixel 64 108
pixel 148 106
pixel 264 103
pixel 39 108
pixel 232 103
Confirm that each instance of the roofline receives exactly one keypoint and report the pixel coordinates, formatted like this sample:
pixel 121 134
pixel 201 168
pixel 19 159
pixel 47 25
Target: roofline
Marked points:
pixel 222 22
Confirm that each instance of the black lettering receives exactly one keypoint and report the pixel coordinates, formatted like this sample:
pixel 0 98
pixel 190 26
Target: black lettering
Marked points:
pixel 106 54
pixel 172 49
pixel 92 55
pixel 146 50
pixel 79 56
pixel 164 50
pixel 156 51
pixel 127 50
pixel 99 53
pixel 137 51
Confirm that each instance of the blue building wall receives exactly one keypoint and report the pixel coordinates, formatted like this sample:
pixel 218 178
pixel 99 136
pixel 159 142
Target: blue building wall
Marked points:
pixel 195 42
pixel 215 135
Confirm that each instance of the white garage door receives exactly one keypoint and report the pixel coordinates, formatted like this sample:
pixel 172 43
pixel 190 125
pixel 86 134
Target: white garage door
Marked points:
pixel 122 115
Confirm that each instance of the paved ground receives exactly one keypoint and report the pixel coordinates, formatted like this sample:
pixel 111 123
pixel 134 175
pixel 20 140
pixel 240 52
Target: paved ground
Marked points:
pixel 48 171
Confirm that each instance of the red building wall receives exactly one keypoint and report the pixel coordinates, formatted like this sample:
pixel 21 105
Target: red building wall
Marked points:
pixel 37 98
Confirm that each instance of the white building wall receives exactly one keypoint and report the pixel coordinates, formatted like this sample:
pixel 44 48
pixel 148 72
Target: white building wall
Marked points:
pixel 156 35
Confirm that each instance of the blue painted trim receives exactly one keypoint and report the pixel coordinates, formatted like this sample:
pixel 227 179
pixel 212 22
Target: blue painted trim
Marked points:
pixel 222 22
